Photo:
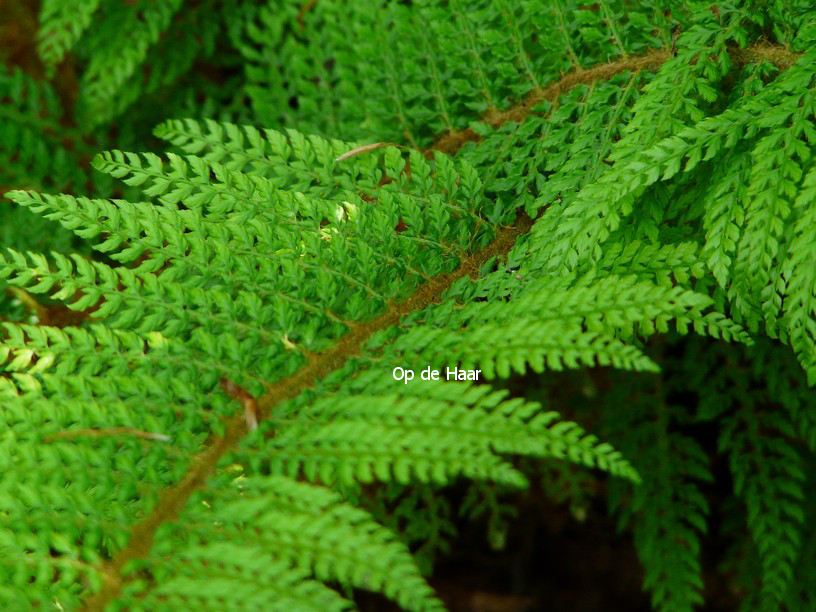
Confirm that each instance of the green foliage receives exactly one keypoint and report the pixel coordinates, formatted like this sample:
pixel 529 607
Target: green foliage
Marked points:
pixel 61 26
pixel 305 526
pixel 200 348
pixel 33 141
pixel 232 273
pixel 668 511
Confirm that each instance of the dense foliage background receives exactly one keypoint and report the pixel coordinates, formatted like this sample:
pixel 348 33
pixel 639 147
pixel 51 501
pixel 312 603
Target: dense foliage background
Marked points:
pixel 609 207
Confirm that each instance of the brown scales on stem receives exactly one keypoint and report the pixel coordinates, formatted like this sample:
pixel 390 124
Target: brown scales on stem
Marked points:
pixel 451 142
pixel 174 499
pixel 242 396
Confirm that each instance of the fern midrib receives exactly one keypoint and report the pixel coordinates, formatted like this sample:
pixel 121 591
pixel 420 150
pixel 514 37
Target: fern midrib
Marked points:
pixel 320 365
pixel 174 499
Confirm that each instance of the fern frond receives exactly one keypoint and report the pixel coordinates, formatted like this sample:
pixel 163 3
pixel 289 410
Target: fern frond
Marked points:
pixel 281 357
pixel 799 306
pixel 61 26
pixel 303 530
pixel 725 214
pixel 588 221
pixel 431 434
pixel 686 82
pixel 35 146
pixel 190 315
pixel 667 511
pixel 776 172
pixel 768 475
pixel 504 347
pixel 113 64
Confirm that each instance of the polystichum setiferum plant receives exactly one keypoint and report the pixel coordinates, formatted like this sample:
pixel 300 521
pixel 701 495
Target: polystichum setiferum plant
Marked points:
pixel 495 186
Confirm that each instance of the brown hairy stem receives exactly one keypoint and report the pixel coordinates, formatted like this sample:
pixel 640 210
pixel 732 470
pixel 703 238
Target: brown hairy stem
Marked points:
pixel 174 499
pixel 451 142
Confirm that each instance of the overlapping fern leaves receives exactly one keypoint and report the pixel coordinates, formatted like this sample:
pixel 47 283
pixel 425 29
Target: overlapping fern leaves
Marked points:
pixel 290 273
pixel 231 274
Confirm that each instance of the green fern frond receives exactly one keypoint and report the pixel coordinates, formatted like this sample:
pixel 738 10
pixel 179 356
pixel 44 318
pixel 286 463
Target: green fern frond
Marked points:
pixel 61 26
pixel 303 529
pixel 431 434
pixel 598 209
pixel 667 512
pixel 278 366
pixel 768 475
pixel 180 320
pixel 112 65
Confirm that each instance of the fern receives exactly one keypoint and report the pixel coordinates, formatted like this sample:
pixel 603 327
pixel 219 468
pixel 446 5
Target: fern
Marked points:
pixel 61 26
pixel 669 510
pixel 34 143
pixel 236 312
pixel 205 372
